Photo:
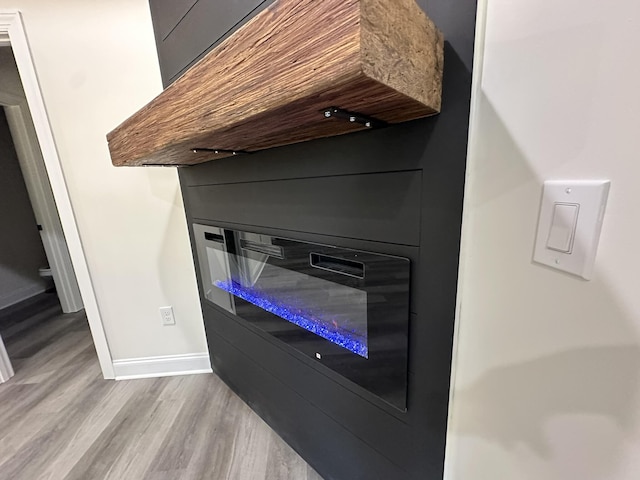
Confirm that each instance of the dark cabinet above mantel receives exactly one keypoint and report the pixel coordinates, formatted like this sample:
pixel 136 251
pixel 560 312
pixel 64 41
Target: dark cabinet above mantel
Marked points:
pixel 278 78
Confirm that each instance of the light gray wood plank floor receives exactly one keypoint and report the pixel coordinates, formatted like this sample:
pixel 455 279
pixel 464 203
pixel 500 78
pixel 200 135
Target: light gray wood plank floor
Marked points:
pixel 60 420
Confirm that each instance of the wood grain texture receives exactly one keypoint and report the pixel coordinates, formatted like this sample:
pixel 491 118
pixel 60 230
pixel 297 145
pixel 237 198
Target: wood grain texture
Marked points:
pixel 402 48
pixel 267 84
pixel 61 421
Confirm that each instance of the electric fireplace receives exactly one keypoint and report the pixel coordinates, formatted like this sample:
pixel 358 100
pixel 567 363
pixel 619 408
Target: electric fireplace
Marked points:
pixel 346 309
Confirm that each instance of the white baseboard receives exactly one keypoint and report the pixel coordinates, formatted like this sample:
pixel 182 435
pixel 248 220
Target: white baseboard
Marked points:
pixel 165 366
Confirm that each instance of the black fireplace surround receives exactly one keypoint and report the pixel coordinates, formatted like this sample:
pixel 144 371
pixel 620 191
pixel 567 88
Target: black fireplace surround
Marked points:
pixel 370 222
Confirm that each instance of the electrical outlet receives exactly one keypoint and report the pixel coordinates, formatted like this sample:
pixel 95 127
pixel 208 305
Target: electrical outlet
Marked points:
pixel 166 313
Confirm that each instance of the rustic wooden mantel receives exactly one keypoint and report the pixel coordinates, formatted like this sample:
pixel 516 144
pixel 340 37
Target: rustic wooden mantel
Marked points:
pixel 270 82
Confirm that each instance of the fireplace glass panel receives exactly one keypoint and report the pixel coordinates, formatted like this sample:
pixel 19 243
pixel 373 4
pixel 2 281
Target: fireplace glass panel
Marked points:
pixel 347 309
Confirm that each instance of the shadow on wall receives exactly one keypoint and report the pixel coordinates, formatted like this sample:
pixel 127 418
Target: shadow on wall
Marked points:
pixel 567 414
pixel 163 184
pixel 177 282
pixel 512 405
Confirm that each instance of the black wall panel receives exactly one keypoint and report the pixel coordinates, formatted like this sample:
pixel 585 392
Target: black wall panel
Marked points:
pixel 397 190
pixel 299 422
pixel 378 207
pixel 318 385
pixel 186 30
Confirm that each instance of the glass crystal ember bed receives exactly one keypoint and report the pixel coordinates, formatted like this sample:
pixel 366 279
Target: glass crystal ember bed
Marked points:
pixel 319 324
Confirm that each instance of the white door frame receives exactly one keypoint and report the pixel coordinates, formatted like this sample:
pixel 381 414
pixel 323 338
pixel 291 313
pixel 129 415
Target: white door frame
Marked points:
pixel 12 32
pixel 44 207
pixel 6 370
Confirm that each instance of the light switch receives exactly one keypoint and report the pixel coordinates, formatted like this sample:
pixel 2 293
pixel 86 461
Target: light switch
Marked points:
pixel 563 227
pixel 569 225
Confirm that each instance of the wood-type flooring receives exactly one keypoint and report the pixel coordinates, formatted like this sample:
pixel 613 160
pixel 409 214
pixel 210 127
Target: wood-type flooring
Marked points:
pixel 60 420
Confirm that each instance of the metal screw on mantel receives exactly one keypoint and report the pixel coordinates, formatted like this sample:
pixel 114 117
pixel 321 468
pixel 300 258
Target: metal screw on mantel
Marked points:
pixel 353 117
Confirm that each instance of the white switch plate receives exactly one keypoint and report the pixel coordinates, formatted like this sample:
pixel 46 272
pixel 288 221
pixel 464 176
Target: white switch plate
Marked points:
pixel 591 196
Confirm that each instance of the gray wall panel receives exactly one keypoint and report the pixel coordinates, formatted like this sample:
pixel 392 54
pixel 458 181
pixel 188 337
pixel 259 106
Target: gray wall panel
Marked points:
pixel 21 250
pixel 167 14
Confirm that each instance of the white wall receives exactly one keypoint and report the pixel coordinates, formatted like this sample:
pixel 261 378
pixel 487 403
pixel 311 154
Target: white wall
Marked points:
pixel 547 378
pixel 97 64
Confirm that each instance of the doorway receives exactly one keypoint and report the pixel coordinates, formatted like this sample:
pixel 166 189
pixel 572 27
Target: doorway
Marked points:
pixel 35 266
pixel 13 34
pixel 25 175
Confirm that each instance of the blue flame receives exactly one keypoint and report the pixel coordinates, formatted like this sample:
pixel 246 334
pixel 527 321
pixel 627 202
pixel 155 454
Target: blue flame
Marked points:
pixel 352 343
